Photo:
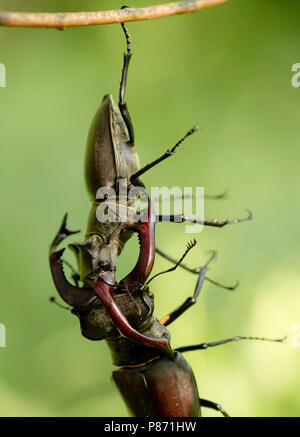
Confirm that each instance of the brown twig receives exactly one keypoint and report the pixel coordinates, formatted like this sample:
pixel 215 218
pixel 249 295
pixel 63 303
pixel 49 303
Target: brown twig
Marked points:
pixel 71 19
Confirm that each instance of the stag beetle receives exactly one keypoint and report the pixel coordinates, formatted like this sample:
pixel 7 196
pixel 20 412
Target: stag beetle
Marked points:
pixel 122 313
pixel 111 157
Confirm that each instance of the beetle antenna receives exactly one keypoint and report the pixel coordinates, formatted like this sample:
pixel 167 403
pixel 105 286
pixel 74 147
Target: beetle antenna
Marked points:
pixel 53 300
pixel 189 246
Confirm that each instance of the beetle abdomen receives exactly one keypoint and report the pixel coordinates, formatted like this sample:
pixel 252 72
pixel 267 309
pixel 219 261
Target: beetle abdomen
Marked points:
pixel 161 388
pixel 109 155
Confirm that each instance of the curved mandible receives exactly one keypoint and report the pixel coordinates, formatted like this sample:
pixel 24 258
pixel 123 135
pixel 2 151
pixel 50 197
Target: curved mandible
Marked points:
pixel 144 265
pixel 74 296
pixel 105 294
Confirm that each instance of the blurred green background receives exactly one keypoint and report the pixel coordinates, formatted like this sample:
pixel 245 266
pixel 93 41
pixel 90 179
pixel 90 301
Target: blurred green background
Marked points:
pixel 227 68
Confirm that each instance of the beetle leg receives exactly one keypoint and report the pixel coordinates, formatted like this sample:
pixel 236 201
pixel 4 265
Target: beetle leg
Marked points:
pixel 190 300
pixel 195 271
pixel 192 196
pixel 226 340
pixel 122 103
pixel 213 405
pixel 217 196
pixel 166 155
pixel 179 218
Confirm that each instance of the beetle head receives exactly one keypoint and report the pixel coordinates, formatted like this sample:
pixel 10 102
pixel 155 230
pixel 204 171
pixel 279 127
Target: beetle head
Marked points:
pixel 96 256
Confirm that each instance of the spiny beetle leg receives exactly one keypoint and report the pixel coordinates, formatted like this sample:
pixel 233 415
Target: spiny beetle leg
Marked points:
pixel 227 340
pixel 192 196
pixel 226 287
pixel 179 218
pixel 166 155
pixel 195 271
pixel 122 102
pixel 217 196
pixel 190 300
pixel 214 406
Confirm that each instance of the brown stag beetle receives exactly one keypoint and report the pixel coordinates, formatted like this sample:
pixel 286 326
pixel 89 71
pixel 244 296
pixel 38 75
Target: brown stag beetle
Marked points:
pixel 154 380
pixel 112 166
